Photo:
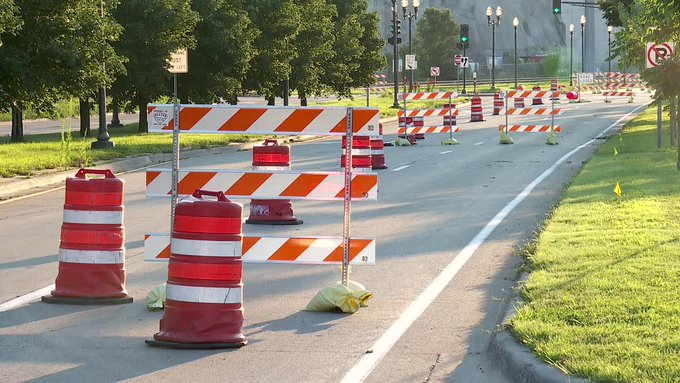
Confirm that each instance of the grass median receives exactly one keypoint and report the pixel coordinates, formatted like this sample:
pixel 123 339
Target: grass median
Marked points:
pixel 57 151
pixel 603 296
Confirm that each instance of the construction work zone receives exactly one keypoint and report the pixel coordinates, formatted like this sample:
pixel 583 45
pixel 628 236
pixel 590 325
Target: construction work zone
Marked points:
pixel 206 247
pixel 552 112
pixel 448 113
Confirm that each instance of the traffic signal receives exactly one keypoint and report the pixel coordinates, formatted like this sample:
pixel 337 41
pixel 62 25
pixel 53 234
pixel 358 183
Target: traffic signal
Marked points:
pixel 557 7
pixel 396 33
pixel 464 36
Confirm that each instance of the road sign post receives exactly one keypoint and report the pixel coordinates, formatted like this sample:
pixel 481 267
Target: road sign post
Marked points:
pixel 434 72
pixel 178 63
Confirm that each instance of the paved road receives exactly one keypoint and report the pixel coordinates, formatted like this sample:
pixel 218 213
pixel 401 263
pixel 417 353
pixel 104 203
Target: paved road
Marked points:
pixel 434 201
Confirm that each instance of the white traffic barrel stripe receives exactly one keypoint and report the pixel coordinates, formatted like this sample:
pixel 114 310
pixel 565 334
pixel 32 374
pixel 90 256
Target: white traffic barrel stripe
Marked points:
pixel 93 217
pixel 202 248
pixel 197 294
pixel 95 257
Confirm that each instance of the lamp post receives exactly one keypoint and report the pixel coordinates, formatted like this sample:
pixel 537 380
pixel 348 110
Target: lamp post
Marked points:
pixel 395 51
pixel 410 15
pixel 492 23
pixel 103 136
pixel 571 55
pixel 583 44
pixel 609 61
pixel 515 24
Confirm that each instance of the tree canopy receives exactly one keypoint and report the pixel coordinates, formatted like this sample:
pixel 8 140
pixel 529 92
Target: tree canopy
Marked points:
pixel 435 42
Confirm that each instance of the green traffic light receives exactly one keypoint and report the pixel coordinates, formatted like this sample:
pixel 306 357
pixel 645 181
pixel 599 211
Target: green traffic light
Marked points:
pixel 464 39
pixel 556 10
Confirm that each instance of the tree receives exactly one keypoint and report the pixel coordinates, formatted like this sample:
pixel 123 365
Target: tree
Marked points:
pixel 358 47
pixel 224 48
pixel 36 74
pixel 613 9
pixel 10 22
pixel 278 23
pixel 314 46
pixel 435 42
pixel 153 29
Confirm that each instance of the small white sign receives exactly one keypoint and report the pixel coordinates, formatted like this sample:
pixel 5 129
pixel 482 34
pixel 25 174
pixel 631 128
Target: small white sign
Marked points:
pixel 586 78
pixel 658 53
pixel 179 62
pixel 434 71
pixel 411 62
pixel 464 62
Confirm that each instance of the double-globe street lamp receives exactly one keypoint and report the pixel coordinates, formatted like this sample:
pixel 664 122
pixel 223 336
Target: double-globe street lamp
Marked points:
pixel 410 15
pixel 492 23
pixel 571 55
pixel 515 24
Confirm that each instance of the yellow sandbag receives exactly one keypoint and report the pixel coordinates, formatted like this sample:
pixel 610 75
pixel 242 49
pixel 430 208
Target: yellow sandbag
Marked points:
pixel 337 297
pixel 506 139
pixel 552 139
pixel 155 299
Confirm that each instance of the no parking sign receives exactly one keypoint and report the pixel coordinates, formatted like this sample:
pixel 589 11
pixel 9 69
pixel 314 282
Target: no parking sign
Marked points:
pixel 656 54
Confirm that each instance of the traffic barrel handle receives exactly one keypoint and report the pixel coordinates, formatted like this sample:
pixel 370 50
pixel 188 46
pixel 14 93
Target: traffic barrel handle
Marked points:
pixel 105 172
pixel 199 193
pixel 271 141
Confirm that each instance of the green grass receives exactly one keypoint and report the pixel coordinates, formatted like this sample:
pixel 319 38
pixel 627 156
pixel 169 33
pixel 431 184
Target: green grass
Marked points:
pixel 52 151
pixel 603 298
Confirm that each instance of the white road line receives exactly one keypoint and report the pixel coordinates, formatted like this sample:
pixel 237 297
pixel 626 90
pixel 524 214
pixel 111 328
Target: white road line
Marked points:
pixel 16 302
pixel 479 143
pixel 382 346
pixel 400 168
pixel 446 151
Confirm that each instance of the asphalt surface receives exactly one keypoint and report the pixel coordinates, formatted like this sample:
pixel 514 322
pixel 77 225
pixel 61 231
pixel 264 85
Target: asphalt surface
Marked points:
pixel 433 202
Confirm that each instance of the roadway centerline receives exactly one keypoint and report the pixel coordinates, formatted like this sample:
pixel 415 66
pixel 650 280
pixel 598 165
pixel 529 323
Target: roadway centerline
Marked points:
pixel 400 168
pixel 363 368
pixel 479 143
pixel 446 151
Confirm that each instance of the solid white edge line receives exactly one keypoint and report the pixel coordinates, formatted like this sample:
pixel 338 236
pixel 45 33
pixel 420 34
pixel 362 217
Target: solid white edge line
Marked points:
pixel 16 302
pixel 382 346
pixel 400 168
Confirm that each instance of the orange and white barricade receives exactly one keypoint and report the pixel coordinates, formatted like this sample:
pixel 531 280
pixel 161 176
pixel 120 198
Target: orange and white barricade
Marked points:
pixel 417 125
pixel 541 111
pixel 206 309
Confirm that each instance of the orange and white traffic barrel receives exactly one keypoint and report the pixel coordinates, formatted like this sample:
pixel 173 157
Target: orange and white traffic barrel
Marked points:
pixel 361 153
pixel 554 87
pixel 497 104
pixel 537 100
pixel 378 151
pixel 519 102
pixel 476 114
pixel 272 156
pixel 92 247
pixel 406 123
pixel 204 292
pixel 419 122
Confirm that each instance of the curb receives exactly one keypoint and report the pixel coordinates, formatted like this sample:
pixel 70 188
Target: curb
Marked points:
pixel 518 361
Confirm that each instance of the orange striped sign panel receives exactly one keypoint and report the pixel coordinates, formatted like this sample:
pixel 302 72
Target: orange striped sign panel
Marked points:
pixel 264 184
pixel 532 94
pixel 427 112
pixel 430 129
pixel 529 111
pixel 300 250
pixel 232 119
pixel 618 94
pixel 429 96
pixel 529 128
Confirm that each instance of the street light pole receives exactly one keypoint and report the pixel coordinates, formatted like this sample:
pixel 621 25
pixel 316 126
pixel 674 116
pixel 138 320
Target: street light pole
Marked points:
pixel 103 135
pixel 410 15
pixel 571 55
pixel 493 23
pixel 583 44
pixel 515 24
pixel 395 51
pixel 609 61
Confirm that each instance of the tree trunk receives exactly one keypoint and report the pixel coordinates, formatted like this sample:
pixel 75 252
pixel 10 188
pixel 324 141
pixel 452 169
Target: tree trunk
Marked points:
pixel 303 99
pixel 143 123
pixel 17 123
pixel 271 100
pixel 84 117
pixel 674 121
pixel 115 119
